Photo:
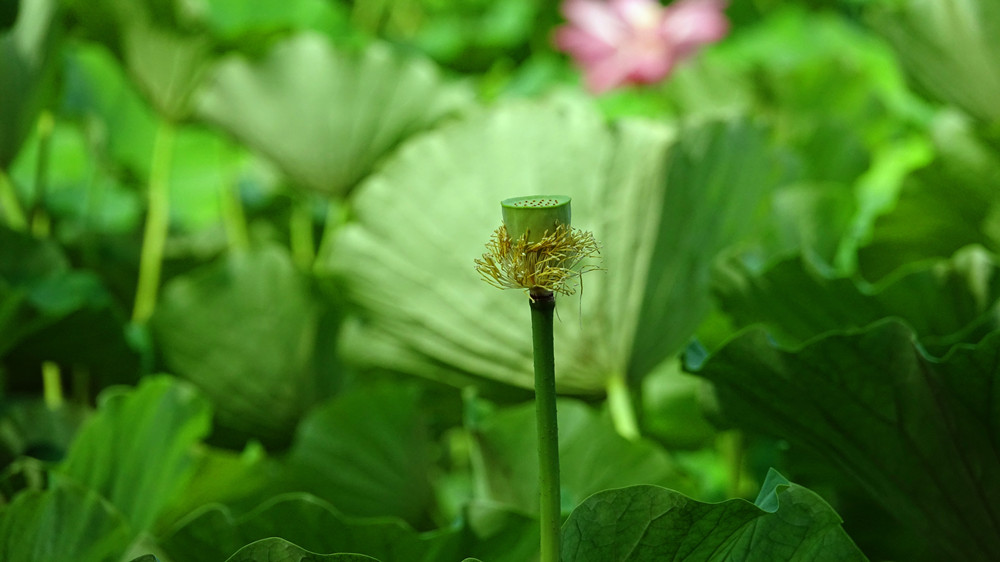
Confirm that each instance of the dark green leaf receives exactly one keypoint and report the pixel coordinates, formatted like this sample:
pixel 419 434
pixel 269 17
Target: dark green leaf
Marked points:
pixel 278 550
pixel 212 533
pixel 367 453
pixel 943 302
pixel 507 466
pixel 919 434
pixel 26 64
pixel 647 523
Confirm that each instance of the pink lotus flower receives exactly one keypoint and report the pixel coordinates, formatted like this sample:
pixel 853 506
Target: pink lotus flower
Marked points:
pixel 636 41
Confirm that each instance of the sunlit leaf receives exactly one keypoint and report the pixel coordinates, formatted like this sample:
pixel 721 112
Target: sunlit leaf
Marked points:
pixel 326 117
pixel 949 48
pixel 660 216
pixel 63 523
pixel 136 451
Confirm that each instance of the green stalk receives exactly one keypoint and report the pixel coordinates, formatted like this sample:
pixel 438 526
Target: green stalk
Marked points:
pixel 621 408
pixel 157 225
pixel 301 233
pixel 52 385
pixel 40 222
pixel 14 214
pixel 542 308
pixel 234 220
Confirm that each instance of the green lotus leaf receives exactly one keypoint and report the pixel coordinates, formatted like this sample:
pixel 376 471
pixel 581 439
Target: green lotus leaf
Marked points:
pixel 280 550
pixel 918 433
pixel 66 522
pixel 27 62
pixel 212 533
pixel 326 117
pixel 647 523
pixel 949 47
pixel 136 451
pixel 661 206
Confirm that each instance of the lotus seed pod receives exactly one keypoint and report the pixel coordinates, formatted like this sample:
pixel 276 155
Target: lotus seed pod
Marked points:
pixel 535 215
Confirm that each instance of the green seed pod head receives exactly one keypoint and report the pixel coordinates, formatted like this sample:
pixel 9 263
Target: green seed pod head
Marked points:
pixel 535 215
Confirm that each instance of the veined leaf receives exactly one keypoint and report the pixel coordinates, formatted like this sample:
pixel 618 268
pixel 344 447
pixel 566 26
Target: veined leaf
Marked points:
pixel 920 434
pixel 366 452
pixel 660 214
pixel 944 302
pixel 243 331
pixel 949 47
pixel 647 523
pixel 213 533
pixel 26 67
pixel 323 116
pixel 136 450
pixel 279 550
pixel 66 522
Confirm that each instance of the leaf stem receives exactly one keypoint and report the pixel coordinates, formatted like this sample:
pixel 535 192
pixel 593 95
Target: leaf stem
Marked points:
pixel 40 222
pixel 157 225
pixel 234 220
pixel 621 407
pixel 301 233
pixel 542 308
pixel 11 205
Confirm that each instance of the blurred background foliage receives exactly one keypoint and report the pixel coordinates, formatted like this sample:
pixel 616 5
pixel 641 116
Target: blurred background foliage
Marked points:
pixel 236 282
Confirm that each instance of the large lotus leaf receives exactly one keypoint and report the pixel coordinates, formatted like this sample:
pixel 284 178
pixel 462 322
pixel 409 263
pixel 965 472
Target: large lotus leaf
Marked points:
pixel 944 301
pixel 430 210
pixel 165 60
pixel 223 476
pixel 325 117
pixel 213 533
pixel 26 63
pixel 949 204
pixel 279 550
pixel 367 452
pixel 920 434
pixel 62 523
pixel 137 449
pixel 646 523
pixel 243 331
pixel 593 457
pixel 949 47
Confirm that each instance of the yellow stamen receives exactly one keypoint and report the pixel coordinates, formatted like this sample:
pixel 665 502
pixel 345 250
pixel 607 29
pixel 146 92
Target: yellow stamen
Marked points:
pixel 545 265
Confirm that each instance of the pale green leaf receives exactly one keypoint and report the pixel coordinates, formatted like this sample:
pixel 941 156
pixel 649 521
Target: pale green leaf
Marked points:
pixel 326 117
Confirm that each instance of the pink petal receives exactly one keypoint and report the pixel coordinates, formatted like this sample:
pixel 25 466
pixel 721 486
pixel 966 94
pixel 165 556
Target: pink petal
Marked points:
pixel 606 74
pixel 582 45
pixel 637 12
pixel 688 24
pixel 596 18
pixel 650 70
